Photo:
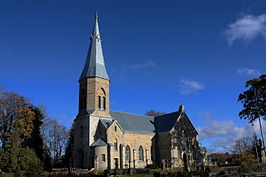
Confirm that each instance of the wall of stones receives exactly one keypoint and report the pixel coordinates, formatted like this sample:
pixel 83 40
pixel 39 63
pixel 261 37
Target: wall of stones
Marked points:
pixel 81 141
pixel 115 135
pixel 134 141
pixel 100 162
pixel 163 146
pixel 184 142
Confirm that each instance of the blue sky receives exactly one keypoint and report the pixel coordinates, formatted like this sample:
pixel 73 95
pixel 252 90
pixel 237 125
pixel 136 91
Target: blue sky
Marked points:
pixel 157 53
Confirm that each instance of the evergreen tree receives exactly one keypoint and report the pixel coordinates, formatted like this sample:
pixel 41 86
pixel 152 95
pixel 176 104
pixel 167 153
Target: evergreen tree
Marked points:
pixel 68 158
pixel 35 141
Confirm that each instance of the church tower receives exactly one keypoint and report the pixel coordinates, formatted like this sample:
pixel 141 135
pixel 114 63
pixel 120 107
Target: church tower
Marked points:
pixel 93 101
pixel 94 80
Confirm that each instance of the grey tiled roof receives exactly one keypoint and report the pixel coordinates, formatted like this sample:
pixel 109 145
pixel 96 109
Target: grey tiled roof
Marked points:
pixel 94 66
pixel 99 142
pixel 106 122
pixel 145 124
pixel 165 123
pixel 134 122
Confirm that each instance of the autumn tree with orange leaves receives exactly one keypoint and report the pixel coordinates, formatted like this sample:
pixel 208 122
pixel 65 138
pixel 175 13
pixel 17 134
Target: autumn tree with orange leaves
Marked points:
pixel 16 118
pixel 16 125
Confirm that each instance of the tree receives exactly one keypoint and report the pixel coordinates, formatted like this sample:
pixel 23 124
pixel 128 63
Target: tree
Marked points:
pixel 153 113
pixel 222 158
pixel 68 158
pixel 242 145
pixel 15 124
pixel 16 127
pixel 35 141
pixel 55 137
pixel 244 149
pixel 16 117
pixel 256 147
pixel 254 99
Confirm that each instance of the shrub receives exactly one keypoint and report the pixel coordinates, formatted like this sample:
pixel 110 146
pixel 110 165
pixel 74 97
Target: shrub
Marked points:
pixel 152 166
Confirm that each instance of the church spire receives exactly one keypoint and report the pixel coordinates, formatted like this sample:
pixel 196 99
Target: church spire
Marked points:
pixel 94 66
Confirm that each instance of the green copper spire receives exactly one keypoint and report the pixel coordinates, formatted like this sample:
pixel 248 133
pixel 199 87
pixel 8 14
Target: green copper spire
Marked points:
pixel 94 66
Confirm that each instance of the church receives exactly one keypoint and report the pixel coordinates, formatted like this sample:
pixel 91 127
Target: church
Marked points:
pixel 107 139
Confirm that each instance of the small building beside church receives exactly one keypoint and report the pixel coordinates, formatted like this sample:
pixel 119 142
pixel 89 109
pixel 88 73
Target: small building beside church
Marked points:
pixel 107 139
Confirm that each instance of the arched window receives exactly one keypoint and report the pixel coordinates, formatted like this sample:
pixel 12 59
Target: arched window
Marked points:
pixel 127 153
pixel 116 145
pixel 141 153
pixel 101 99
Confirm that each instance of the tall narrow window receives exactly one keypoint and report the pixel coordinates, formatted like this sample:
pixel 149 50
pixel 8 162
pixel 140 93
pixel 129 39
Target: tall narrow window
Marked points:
pixel 99 102
pixel 104 102
pixel 127 153
pixel 83 99
pixel 116 145
pixel 81 131
pixel 103 158
pixel 84 103
pixel 141 153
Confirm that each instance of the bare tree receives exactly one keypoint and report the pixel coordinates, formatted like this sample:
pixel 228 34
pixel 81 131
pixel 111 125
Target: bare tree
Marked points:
pixel 55 137
pixel 153 113
pixel 242 145
pixel 244 149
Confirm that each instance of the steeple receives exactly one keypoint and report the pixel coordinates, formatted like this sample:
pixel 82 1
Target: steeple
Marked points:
pixel 94 81
pixel 94 66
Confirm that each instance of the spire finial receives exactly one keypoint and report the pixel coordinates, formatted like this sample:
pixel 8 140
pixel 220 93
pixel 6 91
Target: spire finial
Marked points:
pixel 96 14
pixel 182 108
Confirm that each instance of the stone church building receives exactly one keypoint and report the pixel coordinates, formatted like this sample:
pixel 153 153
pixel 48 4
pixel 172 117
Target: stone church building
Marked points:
pixel 106 139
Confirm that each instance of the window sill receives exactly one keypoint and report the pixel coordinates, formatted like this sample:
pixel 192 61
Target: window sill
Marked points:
pixel 101 109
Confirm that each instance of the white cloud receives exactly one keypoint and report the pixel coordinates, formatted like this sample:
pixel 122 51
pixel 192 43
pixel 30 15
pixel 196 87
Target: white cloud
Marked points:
pixel 189 86
pixel 220 135
pixel 247 28
pixel 248 72
pixel 137 66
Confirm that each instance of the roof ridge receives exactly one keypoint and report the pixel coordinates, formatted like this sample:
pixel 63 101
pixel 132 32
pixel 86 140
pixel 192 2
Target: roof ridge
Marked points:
pixel 133 114
pixel 167 114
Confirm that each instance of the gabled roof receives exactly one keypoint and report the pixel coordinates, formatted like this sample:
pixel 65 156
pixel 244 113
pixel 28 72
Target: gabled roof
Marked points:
pixel 94 66
pixel 99 142
pixel 106 122
pixel 165 123
pixel 134 122
pixel 145 124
